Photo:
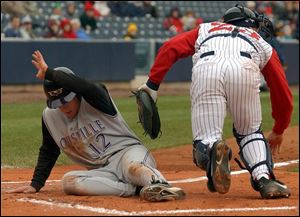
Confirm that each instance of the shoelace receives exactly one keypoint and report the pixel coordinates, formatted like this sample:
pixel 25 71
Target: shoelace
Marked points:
pixel 156 181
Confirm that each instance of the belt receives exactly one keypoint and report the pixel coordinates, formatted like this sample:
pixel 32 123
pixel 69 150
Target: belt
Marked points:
pixel 242 53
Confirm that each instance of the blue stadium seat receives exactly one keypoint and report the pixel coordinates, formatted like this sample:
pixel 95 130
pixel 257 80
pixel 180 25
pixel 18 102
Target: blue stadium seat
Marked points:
pixel 149 27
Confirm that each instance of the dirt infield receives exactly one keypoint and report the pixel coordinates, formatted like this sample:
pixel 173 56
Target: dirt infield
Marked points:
pixel 176 164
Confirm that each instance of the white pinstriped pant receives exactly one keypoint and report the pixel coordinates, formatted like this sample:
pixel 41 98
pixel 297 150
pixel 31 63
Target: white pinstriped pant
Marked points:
pixel 221 82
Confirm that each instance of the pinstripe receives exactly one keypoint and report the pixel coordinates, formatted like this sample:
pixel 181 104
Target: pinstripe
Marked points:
pixel 262 153
pixel 205 100
pixel 253 148
pixel 215 117
pixel 248 155
pixel 245 99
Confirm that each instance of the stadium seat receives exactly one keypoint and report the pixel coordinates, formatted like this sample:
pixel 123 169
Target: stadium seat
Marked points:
pixel 115 26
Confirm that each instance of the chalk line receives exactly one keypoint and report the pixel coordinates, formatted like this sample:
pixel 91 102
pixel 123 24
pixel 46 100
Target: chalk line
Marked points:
pixel 102 210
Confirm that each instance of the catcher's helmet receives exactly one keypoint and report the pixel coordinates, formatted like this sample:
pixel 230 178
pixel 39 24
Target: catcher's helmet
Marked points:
pixel 56 95
pixel 241 16
pixel 266 27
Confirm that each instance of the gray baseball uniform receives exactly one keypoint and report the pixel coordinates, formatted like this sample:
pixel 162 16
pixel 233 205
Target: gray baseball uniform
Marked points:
pixel 97 138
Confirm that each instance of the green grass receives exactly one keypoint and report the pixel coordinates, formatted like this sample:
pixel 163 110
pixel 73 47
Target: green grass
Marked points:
pixel 21 126
pixel 294 169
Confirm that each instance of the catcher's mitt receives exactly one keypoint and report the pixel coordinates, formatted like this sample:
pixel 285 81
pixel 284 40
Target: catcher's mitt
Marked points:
pixel 148 113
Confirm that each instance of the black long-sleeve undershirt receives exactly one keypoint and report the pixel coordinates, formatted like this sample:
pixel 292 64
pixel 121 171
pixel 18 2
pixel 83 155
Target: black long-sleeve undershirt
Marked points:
pixel 48 155
pixel 96 96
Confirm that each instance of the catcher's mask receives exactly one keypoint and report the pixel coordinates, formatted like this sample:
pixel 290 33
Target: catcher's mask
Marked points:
pixel 56 95
pixel 266 27
pixel 241 16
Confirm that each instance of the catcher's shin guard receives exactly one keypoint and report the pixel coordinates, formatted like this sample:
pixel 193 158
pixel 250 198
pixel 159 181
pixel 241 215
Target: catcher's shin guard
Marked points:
pixel 243 141
pixel 218 171
pixel 200 154
pixel 268 188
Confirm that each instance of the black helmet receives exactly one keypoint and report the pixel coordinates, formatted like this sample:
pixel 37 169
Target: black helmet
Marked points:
pixel 56 95
pixel 240 16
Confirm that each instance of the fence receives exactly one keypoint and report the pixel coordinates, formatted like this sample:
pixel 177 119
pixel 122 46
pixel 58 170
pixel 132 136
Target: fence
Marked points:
pixel 104 60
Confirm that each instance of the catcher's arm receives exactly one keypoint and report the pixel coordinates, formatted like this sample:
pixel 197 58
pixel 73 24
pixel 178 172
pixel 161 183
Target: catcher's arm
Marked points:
pixel 180 46
pixel 151 92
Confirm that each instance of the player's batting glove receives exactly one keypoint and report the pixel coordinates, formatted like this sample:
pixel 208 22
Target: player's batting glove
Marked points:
pixel 152 93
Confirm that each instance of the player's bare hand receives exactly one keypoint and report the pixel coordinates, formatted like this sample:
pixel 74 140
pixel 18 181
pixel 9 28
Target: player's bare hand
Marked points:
pixel 40 64
pixel 24 189
pixel 275 141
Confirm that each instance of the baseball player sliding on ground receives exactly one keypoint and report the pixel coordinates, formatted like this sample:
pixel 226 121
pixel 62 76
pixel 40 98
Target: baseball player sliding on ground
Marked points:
pixel 82 121
pixel 228 57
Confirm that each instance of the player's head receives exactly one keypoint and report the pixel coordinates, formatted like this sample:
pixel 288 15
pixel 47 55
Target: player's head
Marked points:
pixel 59 97
pixel 241 16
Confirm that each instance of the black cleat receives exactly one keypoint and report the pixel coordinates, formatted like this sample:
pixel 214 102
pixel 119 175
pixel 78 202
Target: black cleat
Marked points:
pixel 270 189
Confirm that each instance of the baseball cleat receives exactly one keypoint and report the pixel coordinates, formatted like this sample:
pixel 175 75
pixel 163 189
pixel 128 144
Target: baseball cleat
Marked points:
pixel 161 192
pixel 270 189
pixel 220 168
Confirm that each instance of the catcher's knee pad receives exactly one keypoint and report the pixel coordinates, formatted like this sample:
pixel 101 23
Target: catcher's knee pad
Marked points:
pixel 200 154
pixel 243 141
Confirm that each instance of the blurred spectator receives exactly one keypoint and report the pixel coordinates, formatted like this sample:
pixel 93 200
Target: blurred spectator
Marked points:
pixel 287 32
pixel 54 30
pixel 290 12
pixel 102 8
pixel 279 28
pixel 87 19
pixel 70 12
pixel 56 12
pixel 150 9
pixel 278 9
pixel 116 7
pixel 132 31
pixel 173 21
pixel 190 21
pixel 134 9
pixel 283 14
pixel 67 31
pixel 20 8
pixel 90 4
pixel 13 28
pixel 26 28
pixel 251 5
pixel 264 7
pixel 80 33
pixel 126 8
